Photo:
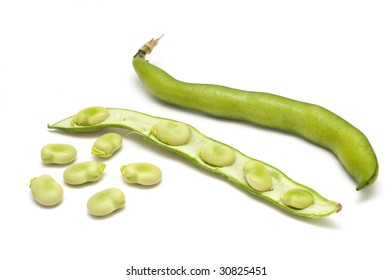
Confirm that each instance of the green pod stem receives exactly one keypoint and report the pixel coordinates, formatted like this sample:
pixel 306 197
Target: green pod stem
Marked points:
pixel 145 125
pixel 307 120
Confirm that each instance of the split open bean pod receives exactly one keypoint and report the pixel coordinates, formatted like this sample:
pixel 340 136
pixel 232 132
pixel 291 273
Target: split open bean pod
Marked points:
pixel 254 176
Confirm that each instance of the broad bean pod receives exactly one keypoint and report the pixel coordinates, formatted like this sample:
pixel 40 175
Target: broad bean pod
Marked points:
pixel 309 121
pixel 270 184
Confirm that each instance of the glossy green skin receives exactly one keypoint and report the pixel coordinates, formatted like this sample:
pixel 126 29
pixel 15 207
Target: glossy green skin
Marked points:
pixel 310 121
pixel 144 125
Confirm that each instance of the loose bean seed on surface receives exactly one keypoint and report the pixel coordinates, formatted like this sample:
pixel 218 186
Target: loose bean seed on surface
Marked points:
pixel 298 199
pixel 144 124
pixel 58 154
pixel 172 133
pixel 217 154
pixel 106 145
pixel 141 173
pixel 46 191
pixel 83 172
pixel 257 175
pixel 105 202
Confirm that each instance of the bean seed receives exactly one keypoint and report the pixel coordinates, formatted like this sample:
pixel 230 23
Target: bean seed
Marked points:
pixel 145 174
pixel 105 202
pixel 172 133
pixel 257 175
pixel 58 154
pixel 298 199
pixel 91 116
pixel 106 145
pixel 217 154
pixel 46 191
pixel 83 172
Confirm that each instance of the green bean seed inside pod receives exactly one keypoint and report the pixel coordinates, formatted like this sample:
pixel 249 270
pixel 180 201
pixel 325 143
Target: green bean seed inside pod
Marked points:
pixel 46 191
pixel 58 154
pixel 105 202
pixel 141 173
pixel 298 199
pixel 257 175
pixel 106 145
pixel 217 154
pixel 172 133
pixel 91 116
pixel 84 172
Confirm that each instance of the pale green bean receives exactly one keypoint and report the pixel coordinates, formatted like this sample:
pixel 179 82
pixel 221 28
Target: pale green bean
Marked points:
pixel 83 172
pixel 298 199
pixel 58 154
pixel 46 191
pixel 106 145
pixel 172 133
pixel 105 202
pixel 217 154
pixel 141 173
pixel 257 176
pixel 91 115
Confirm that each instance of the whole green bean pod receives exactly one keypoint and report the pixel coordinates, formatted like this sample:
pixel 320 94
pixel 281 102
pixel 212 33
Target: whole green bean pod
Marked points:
pixel 252 175
pixel 310 121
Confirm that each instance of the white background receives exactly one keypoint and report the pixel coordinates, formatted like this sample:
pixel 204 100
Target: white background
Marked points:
pixel 58 57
